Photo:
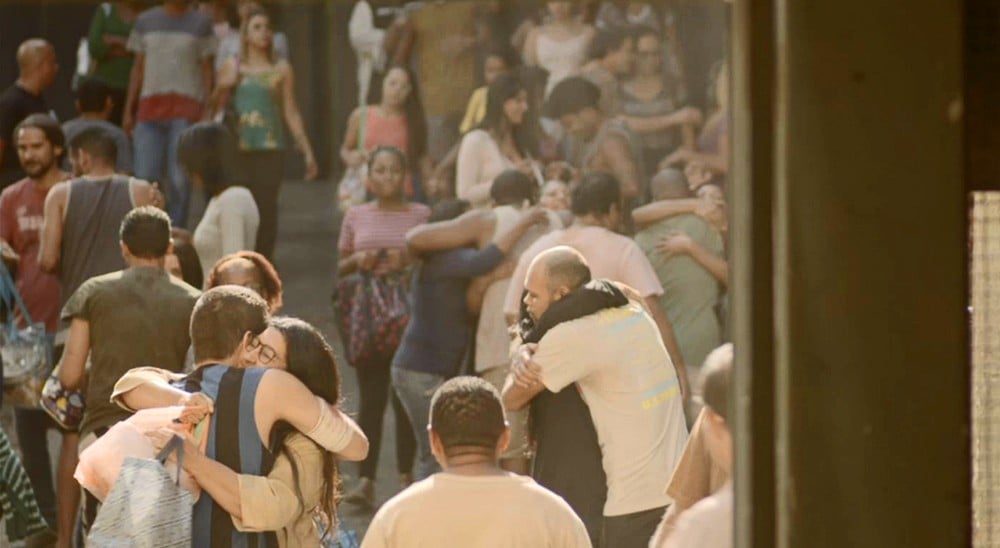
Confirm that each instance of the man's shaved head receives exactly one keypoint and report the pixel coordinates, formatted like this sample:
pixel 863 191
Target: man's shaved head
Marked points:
pixel 564 266
pixel 669 184
pixel 36 65
pixel 552 275
pixel 31 52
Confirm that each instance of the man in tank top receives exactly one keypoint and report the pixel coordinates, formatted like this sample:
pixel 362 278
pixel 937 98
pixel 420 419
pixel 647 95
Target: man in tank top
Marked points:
pixel 83 215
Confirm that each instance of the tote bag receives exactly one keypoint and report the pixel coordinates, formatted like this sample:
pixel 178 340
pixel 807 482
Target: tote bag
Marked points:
pixel 26 352
pixel 146 508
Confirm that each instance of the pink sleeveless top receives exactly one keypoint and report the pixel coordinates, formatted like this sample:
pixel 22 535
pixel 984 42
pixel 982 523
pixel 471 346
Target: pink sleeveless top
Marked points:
pixel 382 130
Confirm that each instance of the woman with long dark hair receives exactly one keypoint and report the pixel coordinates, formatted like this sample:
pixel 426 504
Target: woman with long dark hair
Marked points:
pixel 395 119
pixel 505 140
pixel 313 470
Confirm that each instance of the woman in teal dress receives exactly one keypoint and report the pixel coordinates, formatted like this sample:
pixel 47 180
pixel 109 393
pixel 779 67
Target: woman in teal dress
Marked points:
pixel 261 95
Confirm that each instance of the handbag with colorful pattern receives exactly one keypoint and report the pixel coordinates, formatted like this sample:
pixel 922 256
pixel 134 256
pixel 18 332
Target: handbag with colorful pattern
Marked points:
pixel 372 313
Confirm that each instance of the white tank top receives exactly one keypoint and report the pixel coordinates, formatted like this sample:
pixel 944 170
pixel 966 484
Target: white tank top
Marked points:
pixel 562 58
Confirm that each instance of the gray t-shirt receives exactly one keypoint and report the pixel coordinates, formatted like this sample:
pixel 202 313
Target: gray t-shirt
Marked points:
pixel 76 126
pixel 174 47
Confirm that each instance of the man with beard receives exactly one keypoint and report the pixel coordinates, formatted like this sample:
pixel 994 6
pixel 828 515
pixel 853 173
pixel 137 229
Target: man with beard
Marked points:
pixel 39 144
pixel 593 335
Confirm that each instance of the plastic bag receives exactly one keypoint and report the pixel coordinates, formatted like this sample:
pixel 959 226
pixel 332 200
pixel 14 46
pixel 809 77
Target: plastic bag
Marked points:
pixel 100 463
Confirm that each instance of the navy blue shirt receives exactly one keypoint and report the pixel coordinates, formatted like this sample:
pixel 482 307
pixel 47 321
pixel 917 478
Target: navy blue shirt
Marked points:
pixel 439 328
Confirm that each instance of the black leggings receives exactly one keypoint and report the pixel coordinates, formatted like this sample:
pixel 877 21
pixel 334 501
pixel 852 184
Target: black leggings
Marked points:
pixel 262 174
pixel 374 383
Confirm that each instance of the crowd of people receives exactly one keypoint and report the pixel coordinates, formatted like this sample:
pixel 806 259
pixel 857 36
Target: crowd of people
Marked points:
pixel 531 271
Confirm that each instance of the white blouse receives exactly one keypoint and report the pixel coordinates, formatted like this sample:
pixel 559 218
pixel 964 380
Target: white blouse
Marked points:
pixel 479 162
pixel 229 225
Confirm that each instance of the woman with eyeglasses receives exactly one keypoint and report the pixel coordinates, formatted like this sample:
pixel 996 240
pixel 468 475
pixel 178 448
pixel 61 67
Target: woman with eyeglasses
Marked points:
pixel 304 478
pixel 650 99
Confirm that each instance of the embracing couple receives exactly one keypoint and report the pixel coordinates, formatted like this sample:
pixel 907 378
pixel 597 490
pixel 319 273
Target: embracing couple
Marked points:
pixel 270 390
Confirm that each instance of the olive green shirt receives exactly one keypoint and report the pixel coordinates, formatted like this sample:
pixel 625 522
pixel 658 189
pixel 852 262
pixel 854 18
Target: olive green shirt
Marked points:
pixel 690 293
pixel 137 316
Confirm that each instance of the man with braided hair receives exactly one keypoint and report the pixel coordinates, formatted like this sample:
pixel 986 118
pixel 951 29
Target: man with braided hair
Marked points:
pixel 473 502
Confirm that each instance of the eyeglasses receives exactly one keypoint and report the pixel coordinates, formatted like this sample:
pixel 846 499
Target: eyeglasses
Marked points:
pixel 267 353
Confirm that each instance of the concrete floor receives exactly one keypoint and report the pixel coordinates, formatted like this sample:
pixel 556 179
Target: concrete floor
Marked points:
pixel 306 258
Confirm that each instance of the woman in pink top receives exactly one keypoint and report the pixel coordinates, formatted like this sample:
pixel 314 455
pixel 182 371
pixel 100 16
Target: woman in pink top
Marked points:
pixel 373 239
pixel 396 119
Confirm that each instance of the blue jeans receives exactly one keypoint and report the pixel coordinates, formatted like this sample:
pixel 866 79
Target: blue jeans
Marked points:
pixel 415 390
pixel 154 141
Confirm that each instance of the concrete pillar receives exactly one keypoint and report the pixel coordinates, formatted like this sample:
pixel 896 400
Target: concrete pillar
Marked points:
pixel 867 318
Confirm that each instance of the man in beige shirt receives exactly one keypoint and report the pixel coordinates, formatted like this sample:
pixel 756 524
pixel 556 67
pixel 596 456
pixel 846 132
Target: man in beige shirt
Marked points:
pixel 473 502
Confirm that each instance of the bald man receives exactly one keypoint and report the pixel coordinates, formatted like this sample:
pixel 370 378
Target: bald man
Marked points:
pixel 599 338
pixel 37 68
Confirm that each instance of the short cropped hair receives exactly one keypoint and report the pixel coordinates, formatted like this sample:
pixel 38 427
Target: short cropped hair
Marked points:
pixel 146 232
pixel 669 184
pixel 467 412
pixel 92 94
pixel 97 142
pixel 565 266
pixel 47 125
pixel 717 380
pixel 448 209
pixel 220 319
pixel 596 194
pixel 208 149
pixel 572 95
pixel 513 187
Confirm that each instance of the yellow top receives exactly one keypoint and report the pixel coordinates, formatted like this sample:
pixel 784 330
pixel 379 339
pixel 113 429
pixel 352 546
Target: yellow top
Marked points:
pixel 475 112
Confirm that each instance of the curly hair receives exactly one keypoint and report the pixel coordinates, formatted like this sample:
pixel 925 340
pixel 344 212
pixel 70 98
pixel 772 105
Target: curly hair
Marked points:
pixel 467 412
pixel 271 289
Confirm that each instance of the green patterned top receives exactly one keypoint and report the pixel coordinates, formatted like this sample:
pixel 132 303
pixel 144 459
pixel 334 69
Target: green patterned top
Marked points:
pixel 257 103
